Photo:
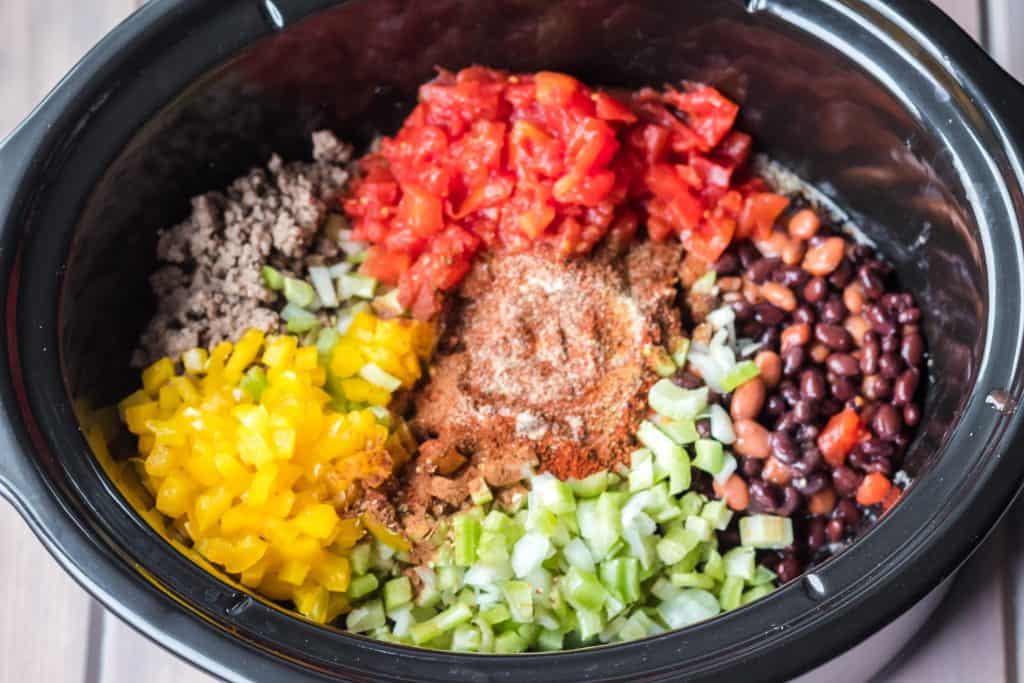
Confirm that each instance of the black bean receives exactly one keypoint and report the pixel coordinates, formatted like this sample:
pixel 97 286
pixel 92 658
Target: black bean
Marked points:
pixel 905 387
pixel 751 467
pixel 886 421
pixel 750 328
pixel 830 407
pixel 835 529
pixel 815 290
pixel 911 414
pixel 810 462
pixel 879 266
pixel 770 337
pixel 730 538
pixel 869 355
pixel 704 428
pixel 842 389
pixel 911 315
pixel 860 253
pixel 804 411
pixel 767 314
pixel 901 441
pixel 878 319
pixel 889 365
pixel 743 309
pixel 787 423
pixel 845 480
pixel 804 315
pixel 833 311
pixel 764 495
pixel 789 392
pixel 912 349
pixel 791 501
pixel 881 465
pixel 728 264
pixel 858 460
pixel 747 253
pixel 890 343
pixel 842 275
pixel 788 569
pixel 890 301
pixel 812 384
pixel 875 448
pixel 833 336
pixel 848 512
pixel 687 380
pixel 810 484
pixel 843 364
pixel 762 269
pixel 807 434
pixel 791 276
pixel 784 447
pixel 876 387
pixel 815 534
pixel 870 283
pixel 775 406
pixel 793 360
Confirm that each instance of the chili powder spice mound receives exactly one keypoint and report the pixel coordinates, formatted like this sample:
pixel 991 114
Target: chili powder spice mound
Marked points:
pixel 542 361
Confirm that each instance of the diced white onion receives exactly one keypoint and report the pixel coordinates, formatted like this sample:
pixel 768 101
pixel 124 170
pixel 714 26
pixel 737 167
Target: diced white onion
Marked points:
pixel 721 425
pixel 530 552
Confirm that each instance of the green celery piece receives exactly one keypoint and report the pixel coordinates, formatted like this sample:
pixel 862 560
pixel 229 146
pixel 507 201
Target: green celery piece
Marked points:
pixel 509 643
pixel 362 585
pixel 731 593
pixel 582 589
pixel 519 597
pixel 254 381
pixel 467 539
pixel 397 592
pixel 447 620
pixel 710 456
pixel 272 278
pixel 299 292
pixel 367 617
pixel 741 373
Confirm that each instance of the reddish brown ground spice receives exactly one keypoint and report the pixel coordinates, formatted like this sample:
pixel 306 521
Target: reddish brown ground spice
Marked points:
pixel 543 361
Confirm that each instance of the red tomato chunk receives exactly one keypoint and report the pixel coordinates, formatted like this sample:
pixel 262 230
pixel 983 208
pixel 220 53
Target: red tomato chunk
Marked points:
pixel 491 160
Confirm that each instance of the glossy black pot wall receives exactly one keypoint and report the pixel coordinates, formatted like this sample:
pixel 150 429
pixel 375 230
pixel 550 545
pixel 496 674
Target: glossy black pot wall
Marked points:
pixel 887 106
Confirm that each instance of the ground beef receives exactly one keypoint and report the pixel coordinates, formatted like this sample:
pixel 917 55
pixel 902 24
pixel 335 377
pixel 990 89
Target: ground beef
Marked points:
pixel 208 286
pixel 544 361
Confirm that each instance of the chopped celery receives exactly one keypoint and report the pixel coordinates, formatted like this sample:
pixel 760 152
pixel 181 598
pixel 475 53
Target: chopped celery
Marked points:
pixel 509 643
pixel 552 494
pixel 445 621
pixel 466 638
pixel 582 589
pixel 591 487
pixel 299 292
pixel 450 579
pixel 590 623
pixel 366 617
pixel 550 640
pixel 660 361
pixel 714 566
pixel 691 580
pixel 762 576
pixel 740 562
pixel 689 607
pixel 362 585
pixel 496 615
pixel 709 456
pixel 578 555
pixel 731 593
pixel 641 476
pixel 705 284
pixel 721 425
pixel 716 512
pixel 467 537
pixel 621 576
pixel 766 532
pixel 668 455
pixel 359 558
pixel 326 341
pixel 298 319
pixel 254 381
pixel 691 503
pixel 681 431
pixel 519 596
pixel 324 286
pixel 356 286
pixel 376 376
pixel 272 278
pixel 676 403
pixel 729 466
pixel 676 544
pixel 700 527
pixel 397 592
pixel 481 495
pixel 742 372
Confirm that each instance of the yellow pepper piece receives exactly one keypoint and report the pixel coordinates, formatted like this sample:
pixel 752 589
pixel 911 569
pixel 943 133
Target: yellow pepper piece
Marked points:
pixel 385 535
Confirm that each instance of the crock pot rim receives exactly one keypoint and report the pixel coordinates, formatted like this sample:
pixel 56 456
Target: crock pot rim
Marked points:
pixel 32 149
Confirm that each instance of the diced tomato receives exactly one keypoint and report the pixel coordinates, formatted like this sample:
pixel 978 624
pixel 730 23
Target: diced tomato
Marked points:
pixel 839 436
pixel 493 160
pixel 760 211
pixel 873 489
pixel 386 266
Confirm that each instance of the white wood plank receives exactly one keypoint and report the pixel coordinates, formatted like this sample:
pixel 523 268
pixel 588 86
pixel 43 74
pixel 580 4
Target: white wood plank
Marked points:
pixel 44 623
pixel 127 657
pixel 967 13
pixel 964 641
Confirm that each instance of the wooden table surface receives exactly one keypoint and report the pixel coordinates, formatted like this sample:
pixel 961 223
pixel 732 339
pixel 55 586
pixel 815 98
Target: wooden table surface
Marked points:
pixel 52 631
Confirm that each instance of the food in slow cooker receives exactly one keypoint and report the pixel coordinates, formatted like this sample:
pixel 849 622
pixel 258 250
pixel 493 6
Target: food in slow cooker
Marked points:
pixel 552 367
